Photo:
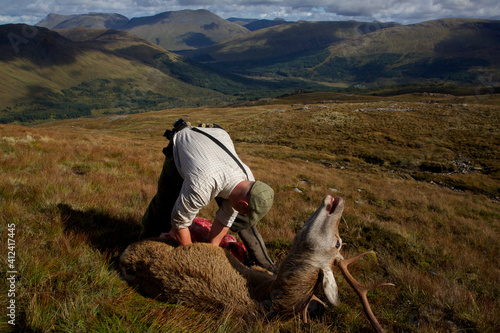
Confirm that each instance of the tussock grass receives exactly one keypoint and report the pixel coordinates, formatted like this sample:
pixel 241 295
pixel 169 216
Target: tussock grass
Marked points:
pixel 76 191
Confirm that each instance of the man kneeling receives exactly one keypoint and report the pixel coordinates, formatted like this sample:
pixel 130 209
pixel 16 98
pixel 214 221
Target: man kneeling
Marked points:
pixel 200 165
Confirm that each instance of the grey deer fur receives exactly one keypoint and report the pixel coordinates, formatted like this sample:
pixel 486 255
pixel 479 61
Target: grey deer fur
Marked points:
pixel 206 277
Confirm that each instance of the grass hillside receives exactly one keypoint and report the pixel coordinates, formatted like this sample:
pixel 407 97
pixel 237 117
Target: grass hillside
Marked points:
pixel 48 62
pixel 255 24
pixel 95 71
pixel 419 174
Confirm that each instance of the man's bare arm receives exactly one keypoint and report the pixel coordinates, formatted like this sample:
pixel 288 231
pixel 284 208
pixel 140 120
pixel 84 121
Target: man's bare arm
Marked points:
pixel 183 236
pixel 217 233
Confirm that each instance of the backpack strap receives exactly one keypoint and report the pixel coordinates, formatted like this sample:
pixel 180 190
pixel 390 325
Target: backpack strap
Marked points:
pixel 220 144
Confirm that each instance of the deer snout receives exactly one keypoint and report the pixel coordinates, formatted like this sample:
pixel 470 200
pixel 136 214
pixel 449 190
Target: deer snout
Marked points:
pixel 333 205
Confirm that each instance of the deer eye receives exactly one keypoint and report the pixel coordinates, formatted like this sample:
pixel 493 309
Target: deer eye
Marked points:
pixel 338 243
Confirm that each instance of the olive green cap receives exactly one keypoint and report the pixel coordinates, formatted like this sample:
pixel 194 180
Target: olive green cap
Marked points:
pixel 260 201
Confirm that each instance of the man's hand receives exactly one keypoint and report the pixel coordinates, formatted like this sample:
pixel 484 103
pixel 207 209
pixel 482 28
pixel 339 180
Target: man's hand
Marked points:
pixel 183 236
pixel 217 232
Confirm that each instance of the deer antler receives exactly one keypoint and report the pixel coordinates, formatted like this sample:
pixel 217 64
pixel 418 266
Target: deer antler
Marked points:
pixel 314 302
pixel 361 289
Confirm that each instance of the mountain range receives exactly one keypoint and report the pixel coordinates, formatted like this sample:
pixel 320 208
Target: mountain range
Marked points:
pixel 90 20
pixel 284 41
pixel 451 50
pixel 107 63
pixel 83 71
pixel 173 30
pixel 336 53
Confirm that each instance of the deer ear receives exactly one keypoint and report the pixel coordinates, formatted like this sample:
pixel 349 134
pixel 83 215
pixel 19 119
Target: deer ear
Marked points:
pixel 330 286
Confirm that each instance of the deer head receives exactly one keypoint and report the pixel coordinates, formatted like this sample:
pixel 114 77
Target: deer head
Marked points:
pixel 313 251
pixel 316 249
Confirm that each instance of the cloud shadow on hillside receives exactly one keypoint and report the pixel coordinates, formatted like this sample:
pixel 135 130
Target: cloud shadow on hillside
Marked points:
pixel 39 45
pixel 106 233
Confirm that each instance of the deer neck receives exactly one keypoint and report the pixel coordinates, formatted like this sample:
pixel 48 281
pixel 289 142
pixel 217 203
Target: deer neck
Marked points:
pixel 294 284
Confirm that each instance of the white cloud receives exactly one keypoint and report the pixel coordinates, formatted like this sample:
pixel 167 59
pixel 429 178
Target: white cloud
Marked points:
pixel 403 11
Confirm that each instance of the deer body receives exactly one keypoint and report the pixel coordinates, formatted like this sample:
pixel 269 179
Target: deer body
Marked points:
pixel 199 275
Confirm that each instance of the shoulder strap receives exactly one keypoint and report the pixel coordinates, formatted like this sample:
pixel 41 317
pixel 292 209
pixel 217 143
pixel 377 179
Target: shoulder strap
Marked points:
pixel 220 144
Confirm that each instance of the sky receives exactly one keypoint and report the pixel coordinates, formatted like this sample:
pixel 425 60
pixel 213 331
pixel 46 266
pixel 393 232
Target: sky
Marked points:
pixel 401 11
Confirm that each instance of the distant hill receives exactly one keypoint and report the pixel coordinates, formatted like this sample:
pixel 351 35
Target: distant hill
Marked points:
pixel 90 20
pixel 89 71
pixel 185 29
pixel 241 21
pixel 449 49
pixel 53 19
pixel 173 30
pixel 456 50
pixel 279 42
pixel 255 24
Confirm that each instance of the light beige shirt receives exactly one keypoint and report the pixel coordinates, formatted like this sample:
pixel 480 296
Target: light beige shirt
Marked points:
pixel 208 172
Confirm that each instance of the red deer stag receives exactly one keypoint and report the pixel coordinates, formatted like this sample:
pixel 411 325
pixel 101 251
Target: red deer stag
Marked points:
pixel 206 277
